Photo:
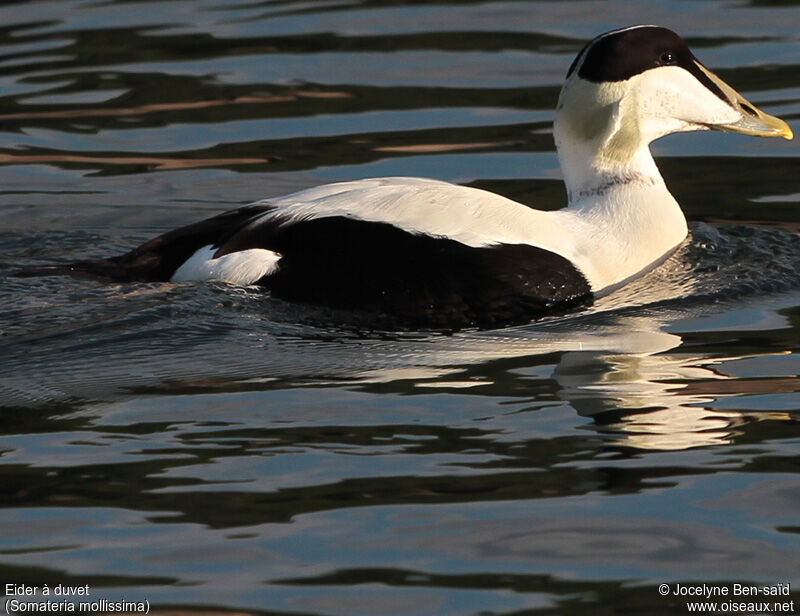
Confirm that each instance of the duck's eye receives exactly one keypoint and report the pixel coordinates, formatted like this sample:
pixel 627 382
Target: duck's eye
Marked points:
pixel 666 58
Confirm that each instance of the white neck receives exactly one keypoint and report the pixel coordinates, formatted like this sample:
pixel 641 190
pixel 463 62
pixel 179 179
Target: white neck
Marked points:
pixel 624 219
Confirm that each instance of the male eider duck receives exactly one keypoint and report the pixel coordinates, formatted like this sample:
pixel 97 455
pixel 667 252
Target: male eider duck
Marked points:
pixel 431 253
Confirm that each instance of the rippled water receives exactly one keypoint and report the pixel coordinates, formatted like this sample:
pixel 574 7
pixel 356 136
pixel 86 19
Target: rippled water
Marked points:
pixel 205 448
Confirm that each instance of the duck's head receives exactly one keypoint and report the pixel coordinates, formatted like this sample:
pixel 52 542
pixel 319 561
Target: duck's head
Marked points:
pixel 631 86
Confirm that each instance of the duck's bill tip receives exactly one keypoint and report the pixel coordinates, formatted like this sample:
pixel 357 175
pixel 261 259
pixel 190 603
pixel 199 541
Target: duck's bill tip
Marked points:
pixel 752 121
pixel 760 125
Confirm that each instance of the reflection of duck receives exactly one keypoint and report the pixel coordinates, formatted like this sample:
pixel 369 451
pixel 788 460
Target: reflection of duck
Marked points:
pixel 624 374
pixel 637 399
pixel 438 254
pixel 649 401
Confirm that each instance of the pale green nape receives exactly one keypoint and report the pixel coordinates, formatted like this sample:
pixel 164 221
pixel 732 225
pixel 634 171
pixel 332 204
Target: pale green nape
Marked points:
pixel 597 116
pixel 595 121
pixel 623 137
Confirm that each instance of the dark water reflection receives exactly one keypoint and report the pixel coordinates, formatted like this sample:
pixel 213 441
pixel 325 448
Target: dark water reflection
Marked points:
pixel 208 447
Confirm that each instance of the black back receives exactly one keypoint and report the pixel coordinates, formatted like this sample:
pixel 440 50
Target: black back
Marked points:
pixel 619 55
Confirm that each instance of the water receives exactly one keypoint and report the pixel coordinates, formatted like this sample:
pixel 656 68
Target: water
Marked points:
pixel 205 448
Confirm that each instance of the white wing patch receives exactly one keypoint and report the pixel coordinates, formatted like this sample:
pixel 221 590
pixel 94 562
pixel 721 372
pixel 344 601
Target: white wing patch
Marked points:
pixel 241 268
pixel 468 215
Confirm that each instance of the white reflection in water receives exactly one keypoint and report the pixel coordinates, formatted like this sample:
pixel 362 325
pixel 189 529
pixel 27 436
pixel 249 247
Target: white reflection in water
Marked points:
pixel 641 397
pixel 648 402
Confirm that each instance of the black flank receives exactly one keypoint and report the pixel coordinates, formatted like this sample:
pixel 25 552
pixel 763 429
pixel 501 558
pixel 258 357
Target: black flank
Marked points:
pixel 421 280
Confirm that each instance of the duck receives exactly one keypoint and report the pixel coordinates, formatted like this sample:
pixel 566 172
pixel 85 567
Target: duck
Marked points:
pixel 429 253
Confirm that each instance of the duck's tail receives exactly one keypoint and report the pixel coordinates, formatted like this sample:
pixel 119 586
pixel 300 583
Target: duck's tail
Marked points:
pixel 158 259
